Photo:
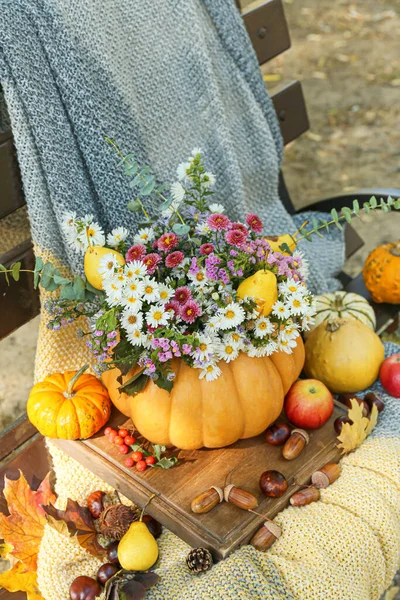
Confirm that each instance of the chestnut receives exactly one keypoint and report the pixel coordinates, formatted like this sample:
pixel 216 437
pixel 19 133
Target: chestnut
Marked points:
pixel 277 434
pixel 84 588
pixel 106 571
pixel 339 422
pixel 273 484
pixel 346 400
pixel 95 503
pixel 112 552
pixel 153 526
pixel 372 399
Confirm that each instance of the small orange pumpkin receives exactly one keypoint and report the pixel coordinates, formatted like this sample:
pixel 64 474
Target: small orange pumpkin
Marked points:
pixel 241 403
pixel 381 273
pixel 69 406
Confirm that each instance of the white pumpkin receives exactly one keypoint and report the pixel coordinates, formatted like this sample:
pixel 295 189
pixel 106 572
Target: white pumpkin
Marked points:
pixel 343 305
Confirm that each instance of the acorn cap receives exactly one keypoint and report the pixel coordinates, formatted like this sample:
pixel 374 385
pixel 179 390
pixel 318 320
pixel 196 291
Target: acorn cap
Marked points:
pixel 227 491
pixel 273 528
pixel 303 433
pixel 219 492
pixel 115 520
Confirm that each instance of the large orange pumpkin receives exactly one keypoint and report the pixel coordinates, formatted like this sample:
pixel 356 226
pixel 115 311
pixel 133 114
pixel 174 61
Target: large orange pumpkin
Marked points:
pixel 69 405
pixel 381 273
pixel 241 403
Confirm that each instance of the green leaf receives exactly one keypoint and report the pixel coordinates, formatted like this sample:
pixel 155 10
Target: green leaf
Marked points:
pixel 346 211
pixel 165 463
pixel 134 385
pixel 315 225
pixel 15 269
pixel 335 218
pixel 158 450
pixel 79 287
pixel 164 383
pixel 373 202
pixel 4 270
pixel 134 205
pixel 92 289
pixel 366 208
pixel 181 229
pixel 108 321
pixel 384 206
pixel 285 248
pixel 37 270
pixel 123 160
pixel 46 280
pixel 165 205
pixel 356 207
pixel 136 447
pixel 148 187
pixel 67 292
pixel 58 279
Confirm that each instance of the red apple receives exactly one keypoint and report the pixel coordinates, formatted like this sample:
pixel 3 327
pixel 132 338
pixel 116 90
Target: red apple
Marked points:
pixel 390 375
pixel 308 404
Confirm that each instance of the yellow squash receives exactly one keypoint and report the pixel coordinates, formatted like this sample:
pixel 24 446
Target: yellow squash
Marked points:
pixel 241 403
pixel 69 405
pixel 275 241
pixel 344 354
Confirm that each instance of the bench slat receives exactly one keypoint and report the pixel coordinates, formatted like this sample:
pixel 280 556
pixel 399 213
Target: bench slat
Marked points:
pixel 268 29
pixel 291 109
pixel 11 194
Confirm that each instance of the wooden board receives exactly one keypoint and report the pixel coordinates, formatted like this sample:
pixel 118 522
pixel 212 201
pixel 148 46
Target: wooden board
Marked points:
pixel 226 527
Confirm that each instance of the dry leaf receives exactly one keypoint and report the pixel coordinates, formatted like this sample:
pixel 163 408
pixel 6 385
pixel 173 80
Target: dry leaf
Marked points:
pixel 23 529
pixel 19 579
pixel 5 549
pixel 79 522
pixel 269 77
pixel 352 435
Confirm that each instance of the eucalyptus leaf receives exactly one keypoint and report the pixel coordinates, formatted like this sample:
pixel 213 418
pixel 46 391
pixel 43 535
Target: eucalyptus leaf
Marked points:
pixel 165 205
pixel 47 276
pixel 148 188
pixel 4 270
pixel 59 279
pixel 15 269
pixel 134 205
pixel 123 160
pixel 181 229
pixel 131 170
pixel 373 202
pixel 79 287
pixel 67 292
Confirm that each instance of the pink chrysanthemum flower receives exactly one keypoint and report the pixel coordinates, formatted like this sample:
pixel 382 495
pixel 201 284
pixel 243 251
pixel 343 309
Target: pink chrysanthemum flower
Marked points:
pixel 182 295
pixel 135 253
pixel 241 227
pixel 218 222
pixel 167 241
pixel 174 259
pixel 235 237
pixel 190 311
pixel 206 249
pixel 151 261
pixel 173 306
pixel 254 222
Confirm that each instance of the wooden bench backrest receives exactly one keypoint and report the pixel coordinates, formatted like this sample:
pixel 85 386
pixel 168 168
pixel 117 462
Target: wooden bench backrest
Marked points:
pixel 267 28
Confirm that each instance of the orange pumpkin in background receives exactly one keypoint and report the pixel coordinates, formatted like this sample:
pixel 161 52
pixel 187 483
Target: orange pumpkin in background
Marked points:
pixel 241 403
pixel 69 405
pixel 381 273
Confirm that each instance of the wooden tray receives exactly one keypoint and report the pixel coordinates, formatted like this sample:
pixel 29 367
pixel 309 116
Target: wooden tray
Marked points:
pixel 226 527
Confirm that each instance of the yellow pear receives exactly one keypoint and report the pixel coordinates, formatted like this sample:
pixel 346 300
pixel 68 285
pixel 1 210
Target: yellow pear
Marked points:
pixel 91 264
pixel 278 240
pixel 137 550
pixel 262 286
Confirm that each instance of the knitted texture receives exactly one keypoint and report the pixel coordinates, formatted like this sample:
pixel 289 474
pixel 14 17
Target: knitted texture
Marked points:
pixel 161 77
pixel 345 546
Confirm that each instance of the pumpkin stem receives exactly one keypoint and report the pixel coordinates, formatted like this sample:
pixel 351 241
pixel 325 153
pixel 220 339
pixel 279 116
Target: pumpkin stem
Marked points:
pixel 70 389
pixel 395 251
pixel 332 326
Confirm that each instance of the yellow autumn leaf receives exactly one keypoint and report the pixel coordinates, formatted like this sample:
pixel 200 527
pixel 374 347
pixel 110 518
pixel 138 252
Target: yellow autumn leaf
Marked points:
pixel 19 579
pixel 352 435
pixel 5 549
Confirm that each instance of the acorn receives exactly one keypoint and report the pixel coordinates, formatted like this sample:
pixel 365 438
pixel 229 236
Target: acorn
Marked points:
pixel 273 484
pixel 239 497
pixel 95 503
pixel 114 521
pixel 295 444
pixel 306 496
pixel 268 533
pixel 372 399
pixel 326 475
pixel 277 434
pixel 206 501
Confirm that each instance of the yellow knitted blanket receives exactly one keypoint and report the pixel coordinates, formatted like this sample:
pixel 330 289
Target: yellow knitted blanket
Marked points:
pixel 344 547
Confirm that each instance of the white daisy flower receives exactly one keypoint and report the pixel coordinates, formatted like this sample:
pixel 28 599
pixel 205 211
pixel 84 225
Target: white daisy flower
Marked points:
pixel 136 337
pixel 177 192
pixel 75 241
pixel 231 315
pixel 286 345
pixel 135 269
pixel 198 279
pixel 208 179
pixel 210 372
pixel 93 232
pixel 131 321
pixel 134 285
pixel 144 235
pixel 217 208
pixel 182 170
pixel 280 310
pixel 202 228
pixel 117 235
pixel 205 348
pixel 113 290
pixel 235 338
pixel 157 316
pixel 131 300
pixel 196 151
pixel 227 351
pixel 263 327
pixel 297 304
pixel 108 265
pixel 292 287
pixel 262 351
pixel 69 223
pixel 306 323
pixel 150 290
pixel 290 332
pixel 165 291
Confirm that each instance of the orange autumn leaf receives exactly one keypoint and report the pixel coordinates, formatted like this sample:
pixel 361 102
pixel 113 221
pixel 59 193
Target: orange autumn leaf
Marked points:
pixel 18 579
pixel 23 528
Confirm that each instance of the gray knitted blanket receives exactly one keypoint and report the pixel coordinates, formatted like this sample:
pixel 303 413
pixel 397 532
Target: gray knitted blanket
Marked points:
pixel 162 77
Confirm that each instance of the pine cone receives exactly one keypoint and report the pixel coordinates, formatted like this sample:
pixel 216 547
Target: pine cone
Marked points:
pixel 114 521
pixel 198 560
